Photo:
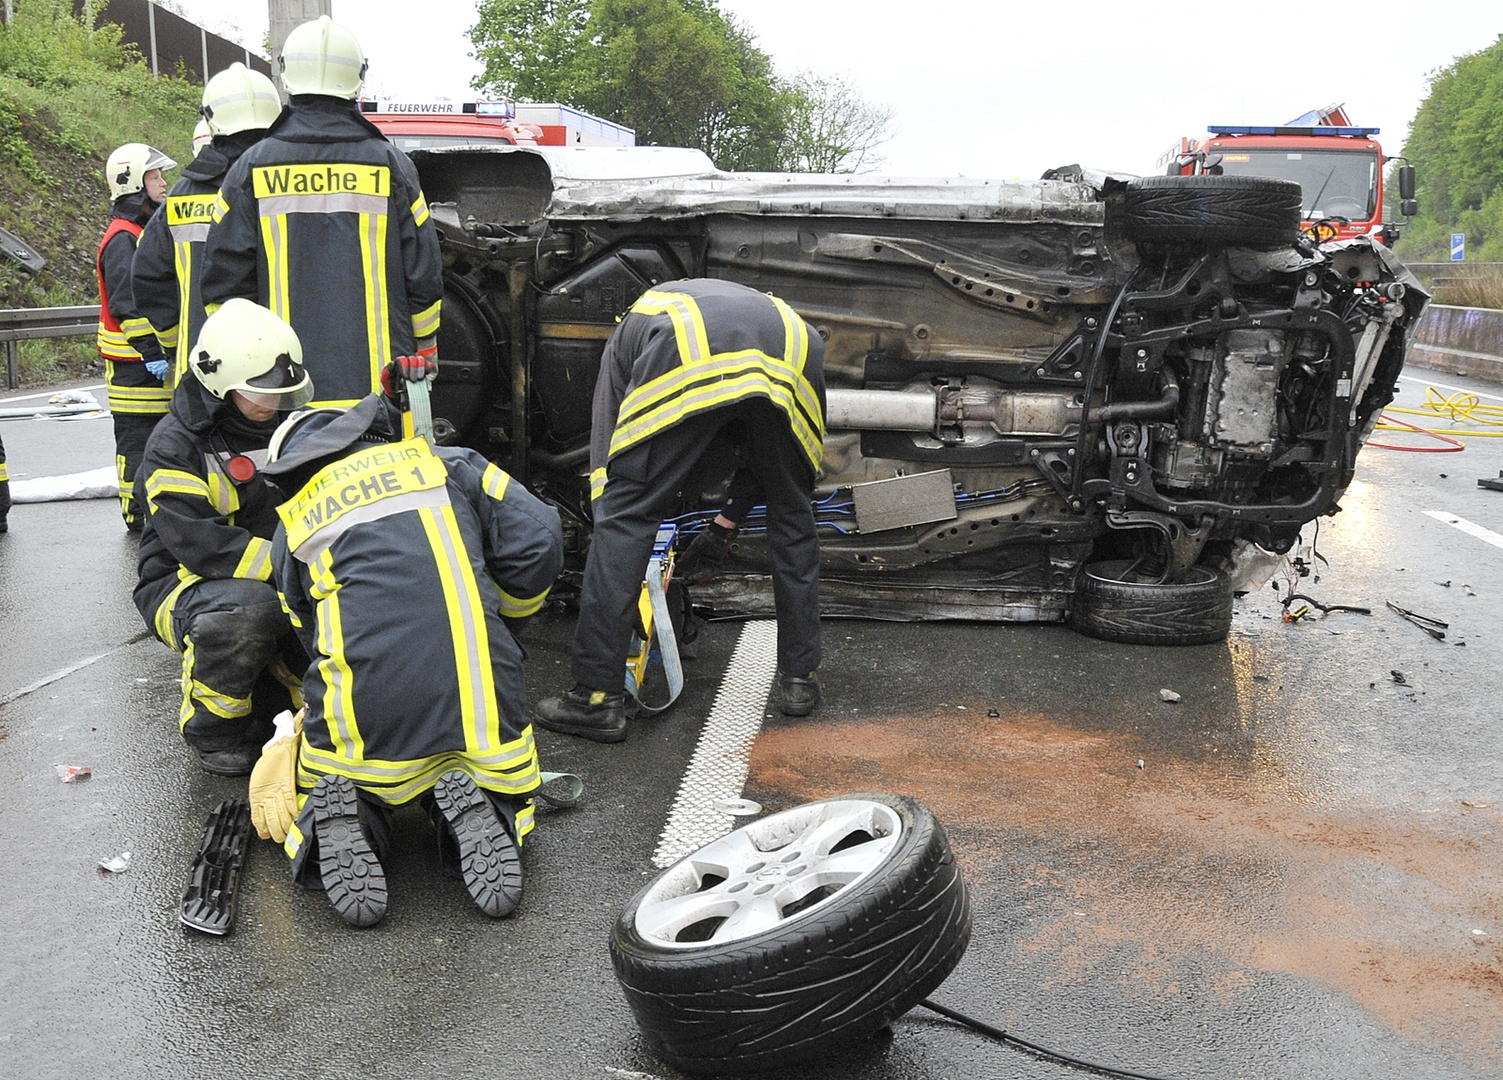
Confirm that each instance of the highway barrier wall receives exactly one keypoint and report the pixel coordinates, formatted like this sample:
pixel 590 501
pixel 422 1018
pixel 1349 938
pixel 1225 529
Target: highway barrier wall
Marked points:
pixel 1461 340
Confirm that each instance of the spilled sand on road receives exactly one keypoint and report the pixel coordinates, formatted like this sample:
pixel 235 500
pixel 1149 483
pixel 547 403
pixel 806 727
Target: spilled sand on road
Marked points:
pixel 1185 858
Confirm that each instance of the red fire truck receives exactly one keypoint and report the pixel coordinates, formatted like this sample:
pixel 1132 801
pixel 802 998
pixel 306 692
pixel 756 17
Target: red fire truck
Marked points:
pixel 430 125
pixel 1338 165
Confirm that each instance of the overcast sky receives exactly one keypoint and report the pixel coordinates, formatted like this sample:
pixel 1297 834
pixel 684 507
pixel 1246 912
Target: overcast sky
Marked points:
pixel 1007 89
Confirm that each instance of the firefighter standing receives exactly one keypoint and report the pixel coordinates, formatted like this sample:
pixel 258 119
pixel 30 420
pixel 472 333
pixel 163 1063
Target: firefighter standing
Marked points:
pixel 4 490
pixel 323 221
pixel 692 360
pixel 239 104
pixel 204 585
pixel 404 568
pixel 135 365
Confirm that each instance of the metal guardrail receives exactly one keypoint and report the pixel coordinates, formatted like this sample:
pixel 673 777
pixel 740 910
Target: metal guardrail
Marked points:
pixel 27 324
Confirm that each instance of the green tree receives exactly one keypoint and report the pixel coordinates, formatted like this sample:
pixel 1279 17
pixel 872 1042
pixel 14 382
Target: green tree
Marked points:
pixel 680 73
pixel 1456 146
pixel 834 129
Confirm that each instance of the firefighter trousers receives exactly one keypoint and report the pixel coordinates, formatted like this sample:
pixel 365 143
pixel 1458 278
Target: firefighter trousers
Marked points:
pixel 137 401
pixel 642 485
pixel 241 662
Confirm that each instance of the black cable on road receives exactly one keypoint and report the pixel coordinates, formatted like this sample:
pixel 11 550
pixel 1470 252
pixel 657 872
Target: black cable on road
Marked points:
pixel 1004 1037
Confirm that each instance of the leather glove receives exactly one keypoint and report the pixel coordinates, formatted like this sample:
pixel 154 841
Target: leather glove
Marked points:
pixel 705 555
pixel 406 369
pixel 273 782
pixel 158 369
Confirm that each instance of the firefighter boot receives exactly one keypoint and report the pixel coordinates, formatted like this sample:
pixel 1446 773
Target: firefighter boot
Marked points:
pixel 487 855
pixel 800 694
pixel 590 714
pixel 353 878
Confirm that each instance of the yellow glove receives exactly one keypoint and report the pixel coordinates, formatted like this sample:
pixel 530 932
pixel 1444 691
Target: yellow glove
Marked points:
pixel 273 782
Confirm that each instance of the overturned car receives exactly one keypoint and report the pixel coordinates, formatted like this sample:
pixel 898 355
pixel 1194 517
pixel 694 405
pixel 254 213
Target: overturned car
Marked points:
pixel 1084 398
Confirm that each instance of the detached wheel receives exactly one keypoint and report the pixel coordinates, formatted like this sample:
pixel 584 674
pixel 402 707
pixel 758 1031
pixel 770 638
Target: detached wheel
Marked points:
pixel 793 936
pixel 1115 603
pixel 1235 211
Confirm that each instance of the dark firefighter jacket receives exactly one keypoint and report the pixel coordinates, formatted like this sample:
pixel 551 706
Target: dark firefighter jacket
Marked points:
pixel 201 522
pixel 690 346
pixel 323 222
pixel 399 566
pixel 169 255
pixel 123 333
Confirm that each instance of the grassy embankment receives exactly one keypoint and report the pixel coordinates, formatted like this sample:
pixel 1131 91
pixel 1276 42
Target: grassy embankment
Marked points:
pixel 68 96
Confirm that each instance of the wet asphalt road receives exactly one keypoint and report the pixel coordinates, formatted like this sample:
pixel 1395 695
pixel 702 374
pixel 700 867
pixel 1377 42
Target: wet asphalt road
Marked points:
pixel 1300 880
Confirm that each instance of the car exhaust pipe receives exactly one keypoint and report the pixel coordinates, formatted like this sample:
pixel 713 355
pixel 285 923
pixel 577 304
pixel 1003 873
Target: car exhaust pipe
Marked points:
pixel 934 409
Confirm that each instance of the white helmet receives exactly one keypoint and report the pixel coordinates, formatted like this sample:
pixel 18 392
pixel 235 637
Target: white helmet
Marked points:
pixel 246 347
pixel 202 136
pixel 240 99
pixel 127 166
pixel 322 57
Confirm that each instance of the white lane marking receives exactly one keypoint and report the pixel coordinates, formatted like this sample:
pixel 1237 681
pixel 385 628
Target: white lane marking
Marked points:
pixel 49 393
pixel 720 763
pixel 1458 389
pixel 1468 527
pixel 70 669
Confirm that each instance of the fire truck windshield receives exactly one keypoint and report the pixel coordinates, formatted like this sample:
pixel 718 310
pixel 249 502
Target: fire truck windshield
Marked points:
pixel 1336 183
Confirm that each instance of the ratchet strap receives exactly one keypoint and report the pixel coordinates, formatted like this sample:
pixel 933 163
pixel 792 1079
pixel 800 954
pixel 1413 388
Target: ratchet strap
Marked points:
pixel 656 625
pixel 417 418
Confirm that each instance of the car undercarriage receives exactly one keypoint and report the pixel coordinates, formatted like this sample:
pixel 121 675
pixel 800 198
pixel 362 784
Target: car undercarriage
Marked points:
pixel 1085 397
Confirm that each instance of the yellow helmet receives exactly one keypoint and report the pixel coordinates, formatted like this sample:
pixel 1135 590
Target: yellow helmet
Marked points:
pixel 322 57
pixel 240 99
pixel 246 347
pixel 126 167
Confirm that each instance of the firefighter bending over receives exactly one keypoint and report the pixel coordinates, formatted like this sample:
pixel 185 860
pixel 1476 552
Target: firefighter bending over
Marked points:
pixel 204 583
pixel 405 569
pixel 135 365
pixel 691 361
pixel 324 223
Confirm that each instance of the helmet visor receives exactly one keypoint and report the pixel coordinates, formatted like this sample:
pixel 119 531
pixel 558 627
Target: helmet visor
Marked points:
pixel 280 400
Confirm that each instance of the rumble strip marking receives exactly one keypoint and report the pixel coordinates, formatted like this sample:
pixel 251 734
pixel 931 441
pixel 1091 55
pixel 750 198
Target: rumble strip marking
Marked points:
pixel 719 767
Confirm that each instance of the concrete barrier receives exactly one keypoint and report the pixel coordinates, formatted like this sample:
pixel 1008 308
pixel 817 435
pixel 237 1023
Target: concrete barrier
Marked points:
pixel 1461 340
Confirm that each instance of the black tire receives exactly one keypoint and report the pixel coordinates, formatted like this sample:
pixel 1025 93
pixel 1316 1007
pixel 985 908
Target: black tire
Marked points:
pixel 1111 605
pixel 821 978
pixel 1213 211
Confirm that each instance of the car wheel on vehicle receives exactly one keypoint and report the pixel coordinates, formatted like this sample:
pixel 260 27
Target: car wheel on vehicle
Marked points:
pixel 1116 602
pixel 793 936
pixel 1222 211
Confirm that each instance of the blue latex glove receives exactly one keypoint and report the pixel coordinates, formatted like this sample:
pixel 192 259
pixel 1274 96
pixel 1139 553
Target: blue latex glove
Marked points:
pixel 158 368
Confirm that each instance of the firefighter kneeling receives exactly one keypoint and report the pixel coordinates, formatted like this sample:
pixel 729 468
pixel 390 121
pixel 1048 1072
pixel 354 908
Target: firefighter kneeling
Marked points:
pixel 404 568
pixel 204 579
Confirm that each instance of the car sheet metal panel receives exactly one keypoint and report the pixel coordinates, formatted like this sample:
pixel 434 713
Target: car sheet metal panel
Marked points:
pixel 904 500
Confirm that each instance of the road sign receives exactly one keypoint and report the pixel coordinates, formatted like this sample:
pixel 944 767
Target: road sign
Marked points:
pixel 1458 246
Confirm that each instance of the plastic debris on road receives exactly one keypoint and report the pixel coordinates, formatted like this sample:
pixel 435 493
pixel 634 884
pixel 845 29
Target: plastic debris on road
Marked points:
pixel 69 774
pixel 117 865
pixel 1169 696
pixel 738 807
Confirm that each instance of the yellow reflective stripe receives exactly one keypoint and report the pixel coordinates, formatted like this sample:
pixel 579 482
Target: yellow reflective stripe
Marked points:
pixel 495 482
pixel 514 607
pixel 796 352
pixel 182 258
pixel 472 648
pixel 420 210
pixel 287 610
pixel 162 621
pixel 511 771
pixel 274 245
pixel 597 484
pixel 333 668
pixel 231 708
pixel 163 481
pixel 209 309
pixel 113 337
pixel 185 710
pixel 135 326
pixel 4 472
pixel 220 208
pixel 373 265
pixel 256 562
pixel 688 324
pixel 735 376
pixel 223 494
pixel 425 322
